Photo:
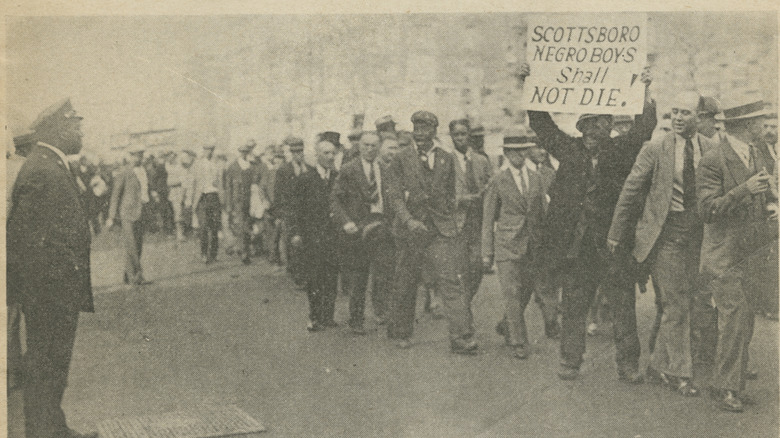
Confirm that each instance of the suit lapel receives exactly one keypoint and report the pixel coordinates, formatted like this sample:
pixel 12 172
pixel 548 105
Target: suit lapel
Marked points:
pixel 413 164
pixel 668 161
pixel 739 173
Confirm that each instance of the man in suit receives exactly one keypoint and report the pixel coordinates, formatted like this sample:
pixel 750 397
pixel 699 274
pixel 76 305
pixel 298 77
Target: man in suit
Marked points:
pixel 421 192
pixel 732 185
pixel 206 202
pixel 385 127
pixel 358 208
pixel 48 266
pixel 662 186
pixel 285 203
pixel 239 178
pixel 513 210
pixel 343 155
pixel 315 231
pixel 472 173
pixel 130 194
pixel 583 196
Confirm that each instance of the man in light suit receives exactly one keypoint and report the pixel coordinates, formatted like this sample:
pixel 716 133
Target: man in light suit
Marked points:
pixel 513 209
pixel 48 267
pixel 472 173
pixel 732 184
pixel 668 236
pixel 421 193
pixel 358 208
pixel 130 194
pixel 207 201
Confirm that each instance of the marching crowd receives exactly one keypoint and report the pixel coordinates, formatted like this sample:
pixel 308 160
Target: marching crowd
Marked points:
pixel 693 211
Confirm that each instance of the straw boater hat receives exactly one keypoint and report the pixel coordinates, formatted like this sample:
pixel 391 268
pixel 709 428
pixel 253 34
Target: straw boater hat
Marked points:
pixel 745 111
pixel 519 139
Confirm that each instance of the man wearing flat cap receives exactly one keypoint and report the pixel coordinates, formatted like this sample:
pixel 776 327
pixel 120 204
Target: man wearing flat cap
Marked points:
pixel 477 139
pixel 385 127
pixel 128 198
pixel 733 190
pixel 513 211
pixel 207 201
pixel 583 196
pixel 284 204
pixel 48 266
pixel 707 110
pixel 420 184
pixel 239 178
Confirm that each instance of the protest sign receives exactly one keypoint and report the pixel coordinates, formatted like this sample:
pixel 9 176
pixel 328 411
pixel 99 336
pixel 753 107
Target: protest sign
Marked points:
pixel 586 63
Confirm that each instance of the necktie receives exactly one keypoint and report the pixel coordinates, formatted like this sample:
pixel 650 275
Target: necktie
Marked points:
pixel 689 178
pixel 372 186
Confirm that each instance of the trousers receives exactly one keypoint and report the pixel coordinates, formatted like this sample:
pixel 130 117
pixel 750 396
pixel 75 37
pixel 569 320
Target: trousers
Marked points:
pixel 133 242
pixel 210 217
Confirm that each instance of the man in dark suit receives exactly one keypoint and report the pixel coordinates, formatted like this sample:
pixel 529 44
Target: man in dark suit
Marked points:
pixel 513 210
pixel 315 232
pixel 662 186
pixel 573 239
pixel 732 185
pixel 130 194
pixel 421 192
pixel 239 177
pixel 284 203
pixel 358 208
pixel 48 266
pixel 472 173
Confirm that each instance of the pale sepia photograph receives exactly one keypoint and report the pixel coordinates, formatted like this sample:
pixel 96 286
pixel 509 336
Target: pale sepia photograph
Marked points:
pixel 400 222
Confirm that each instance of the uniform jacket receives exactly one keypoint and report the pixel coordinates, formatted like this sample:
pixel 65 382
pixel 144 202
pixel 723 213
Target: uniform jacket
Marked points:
pixel 735 222
pixel 350 201
pixel 568 190
pixel 311 214
pixel 647 194
pixel 284 187
pixel 238 183
pixel 48 237
pixel 411 198
pixel 516 216
pixel 126 196
pixel 482 171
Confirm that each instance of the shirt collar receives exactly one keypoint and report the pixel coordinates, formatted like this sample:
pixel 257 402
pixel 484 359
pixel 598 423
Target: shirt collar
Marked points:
pixel 530 165
pixel 322 171
pixel 58 152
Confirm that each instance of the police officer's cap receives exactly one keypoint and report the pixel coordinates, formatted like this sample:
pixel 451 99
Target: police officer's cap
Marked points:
pixel 295 143
pixel 55 115
pixel 425 117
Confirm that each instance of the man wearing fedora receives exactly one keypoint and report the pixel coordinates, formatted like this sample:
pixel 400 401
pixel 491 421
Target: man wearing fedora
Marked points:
pixel 130 194
pixel 206 201
pixel 667 236
pixel 733 188
pixel 48 266
pixel 239 177
pixel 284 205
pixel 421 192
pixel 513 211
pixel 573 239
pixel 385 127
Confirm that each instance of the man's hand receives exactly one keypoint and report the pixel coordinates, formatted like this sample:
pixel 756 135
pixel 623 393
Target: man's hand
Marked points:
pixel 487 264
pixel 351 228
pixel 296 241
pixel 416 226
pixel 647 76
pixel 758 183
pixel 110 223
pixel 612 245
pixel 523 71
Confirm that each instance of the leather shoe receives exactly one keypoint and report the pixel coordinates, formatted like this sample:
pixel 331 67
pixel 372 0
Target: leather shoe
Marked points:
pixel 462 346
pixel 520 352
pixel 315 327
pixel 685 388
pixel 358 331
pixel 331 324
pixel 568 373
pixel 632 376
pixel 656 377
pixel 552 330
pixel 731 402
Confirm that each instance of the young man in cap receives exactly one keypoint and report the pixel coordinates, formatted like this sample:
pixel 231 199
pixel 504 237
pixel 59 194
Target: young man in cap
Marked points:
pixel 667 236
pixel 592 171
pixel 48 267
pixel 239 178
pixel 421 192
pixel 284 204
pixel 314 231
pixel 385 127
pixel 477 139
pixel 472 173
pixel 128 198
pixel 206 202
pixel 733 189
pixel 358 208
pixel 343 155
pixel 706 110
pixel 513 211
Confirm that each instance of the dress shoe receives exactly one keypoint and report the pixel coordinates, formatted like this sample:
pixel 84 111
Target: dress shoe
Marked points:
pixel 358 331
pixel 567 372
pixel 656 377
pixel 552 330
pixel 731 402
pixel 143 282
pixel 331 324
pixel 404 344
pixel 751 375
pixel 520 352
pixel 462 346
pixel 685 388
pixel 633 377
pixel 70 433
pixel 315 327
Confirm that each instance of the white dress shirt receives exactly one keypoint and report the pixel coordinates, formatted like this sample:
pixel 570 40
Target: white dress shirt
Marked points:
pixel 324 173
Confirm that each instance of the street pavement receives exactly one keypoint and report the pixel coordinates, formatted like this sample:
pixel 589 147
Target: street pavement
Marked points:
pixel 233 334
